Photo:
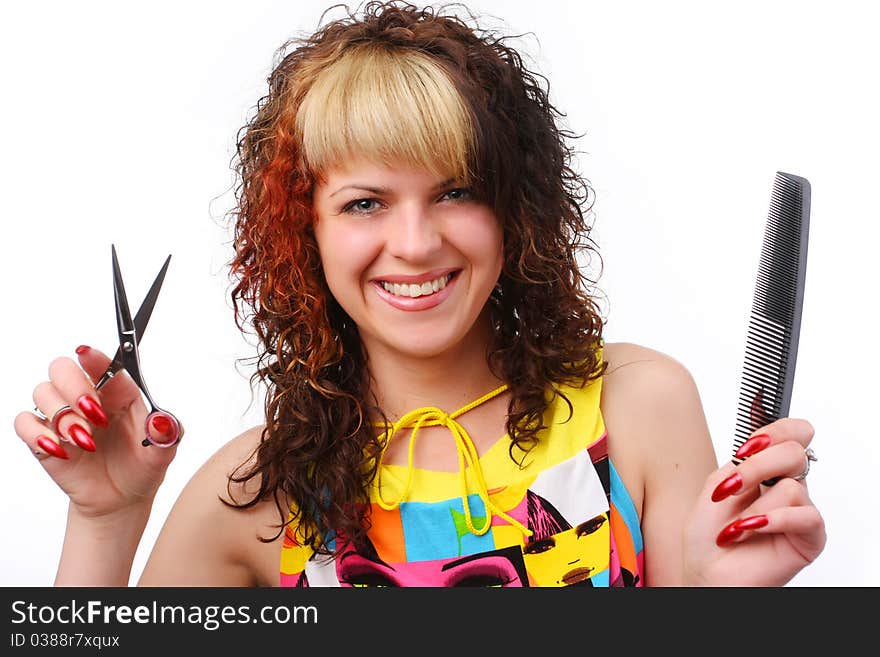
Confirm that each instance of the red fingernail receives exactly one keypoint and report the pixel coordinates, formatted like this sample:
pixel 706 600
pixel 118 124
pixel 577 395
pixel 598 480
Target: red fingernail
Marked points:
pixel 83 348
pixel 728 535
pixel 81 437
pixel 92 409
pixel 727 487
pixel 752 522
pixel 161 424
pixel 753 445
pixel 51 447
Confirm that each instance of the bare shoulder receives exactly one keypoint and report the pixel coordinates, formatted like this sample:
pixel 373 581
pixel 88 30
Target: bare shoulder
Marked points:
pixel 641 380
pixel 627 354
pixel 206 541
pixel 654 416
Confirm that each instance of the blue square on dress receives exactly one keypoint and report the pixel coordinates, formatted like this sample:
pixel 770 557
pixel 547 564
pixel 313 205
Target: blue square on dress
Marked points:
pixel 438 530
pixel 600 579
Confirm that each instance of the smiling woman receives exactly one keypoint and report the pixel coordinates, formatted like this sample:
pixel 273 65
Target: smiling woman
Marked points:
pixel 442 407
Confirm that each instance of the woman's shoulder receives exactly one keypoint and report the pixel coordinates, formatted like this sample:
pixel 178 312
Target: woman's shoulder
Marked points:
pixel 642 386
pixel 239 451
pixel 637 374
pixel 653 415
pixel 206 540
pixel 619 354
pixel 235 457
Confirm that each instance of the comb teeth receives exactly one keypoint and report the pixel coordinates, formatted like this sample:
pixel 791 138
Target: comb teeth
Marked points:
pixel 774 322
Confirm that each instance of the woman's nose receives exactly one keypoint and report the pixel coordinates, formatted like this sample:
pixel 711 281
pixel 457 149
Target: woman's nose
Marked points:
pixel 413 234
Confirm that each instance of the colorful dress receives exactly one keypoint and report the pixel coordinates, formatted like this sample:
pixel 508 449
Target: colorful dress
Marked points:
pixel 563 518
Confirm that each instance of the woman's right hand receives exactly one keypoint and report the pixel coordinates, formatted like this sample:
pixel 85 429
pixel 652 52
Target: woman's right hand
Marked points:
pixel 98 460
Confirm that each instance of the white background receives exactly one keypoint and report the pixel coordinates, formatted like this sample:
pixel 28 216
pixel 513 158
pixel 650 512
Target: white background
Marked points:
pixel 119 123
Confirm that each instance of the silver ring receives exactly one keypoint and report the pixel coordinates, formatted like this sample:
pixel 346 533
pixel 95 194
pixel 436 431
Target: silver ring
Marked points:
pixel 61 412
pixel 809 455
pixel 40 413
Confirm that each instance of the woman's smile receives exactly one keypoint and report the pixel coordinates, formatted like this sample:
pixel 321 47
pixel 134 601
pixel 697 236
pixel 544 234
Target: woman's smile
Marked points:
pixel 416 296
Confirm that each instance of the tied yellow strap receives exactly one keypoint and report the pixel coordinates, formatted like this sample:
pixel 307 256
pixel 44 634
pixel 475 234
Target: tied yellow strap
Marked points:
pixel 431 416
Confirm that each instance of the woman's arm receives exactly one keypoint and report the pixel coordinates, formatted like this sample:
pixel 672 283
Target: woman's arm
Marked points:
pixel 659 441
pixel 703 524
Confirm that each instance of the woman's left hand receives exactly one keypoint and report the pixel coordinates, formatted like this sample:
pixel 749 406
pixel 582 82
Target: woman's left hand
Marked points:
pixel 743 533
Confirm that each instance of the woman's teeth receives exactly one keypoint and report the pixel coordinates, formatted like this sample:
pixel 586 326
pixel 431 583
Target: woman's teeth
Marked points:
pixel 413 290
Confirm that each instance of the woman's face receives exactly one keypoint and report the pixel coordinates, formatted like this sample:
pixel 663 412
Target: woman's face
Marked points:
pixel 410 257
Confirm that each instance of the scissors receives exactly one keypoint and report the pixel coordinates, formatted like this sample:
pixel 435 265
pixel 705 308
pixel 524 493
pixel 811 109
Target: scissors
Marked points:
pixel 127 357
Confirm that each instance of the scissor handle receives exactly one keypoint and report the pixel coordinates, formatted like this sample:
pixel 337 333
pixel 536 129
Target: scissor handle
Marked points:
pixel 172 424
pixel 154 412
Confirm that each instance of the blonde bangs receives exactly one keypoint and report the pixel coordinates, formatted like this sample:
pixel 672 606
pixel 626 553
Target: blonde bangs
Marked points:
pixel 389 107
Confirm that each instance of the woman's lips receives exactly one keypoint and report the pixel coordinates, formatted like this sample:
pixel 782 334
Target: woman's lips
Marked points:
pixel 417 303
pixel 418 279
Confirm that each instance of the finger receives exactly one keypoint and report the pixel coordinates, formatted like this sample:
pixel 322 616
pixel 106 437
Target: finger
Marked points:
pixel 93 362
pixel 42 442
pixel 783 429
pixel 785 459
pixel 795 520
pixel 51 405
pixel 74 384
pixel 723 483
pixel 767 456
pixel 804 522
pixel 69 402
pixel 787 493
pixel 119 391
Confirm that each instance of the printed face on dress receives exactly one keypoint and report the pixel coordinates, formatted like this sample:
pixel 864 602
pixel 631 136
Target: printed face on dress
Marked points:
pixel 570 557
pixel 412 257
pixel 497 568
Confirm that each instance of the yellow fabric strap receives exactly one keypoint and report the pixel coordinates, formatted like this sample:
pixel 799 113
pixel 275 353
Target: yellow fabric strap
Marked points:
pixel 431 416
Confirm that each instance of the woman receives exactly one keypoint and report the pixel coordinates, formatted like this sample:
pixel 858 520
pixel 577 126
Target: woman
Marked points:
pixel 441 407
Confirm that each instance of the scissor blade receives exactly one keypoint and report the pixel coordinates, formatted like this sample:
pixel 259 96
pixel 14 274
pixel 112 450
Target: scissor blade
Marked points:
pixel 124 325
pixel 123 314
pixel 146 309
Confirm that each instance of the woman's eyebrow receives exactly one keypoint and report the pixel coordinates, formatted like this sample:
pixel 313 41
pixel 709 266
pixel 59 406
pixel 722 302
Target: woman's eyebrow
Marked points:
pixel 367 188
pixel 385 190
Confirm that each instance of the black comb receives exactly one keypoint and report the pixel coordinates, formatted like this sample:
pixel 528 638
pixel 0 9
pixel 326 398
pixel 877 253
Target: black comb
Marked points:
pixel 775 320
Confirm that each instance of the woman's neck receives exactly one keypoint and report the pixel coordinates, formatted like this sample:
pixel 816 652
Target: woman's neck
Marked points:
pixel 448 381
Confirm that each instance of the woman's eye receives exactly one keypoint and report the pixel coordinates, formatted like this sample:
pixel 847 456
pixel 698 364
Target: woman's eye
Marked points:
pixel 365 206
pixel 458 194
pixel 361 206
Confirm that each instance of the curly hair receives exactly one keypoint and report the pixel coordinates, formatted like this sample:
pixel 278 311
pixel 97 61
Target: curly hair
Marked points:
pixel 483 116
